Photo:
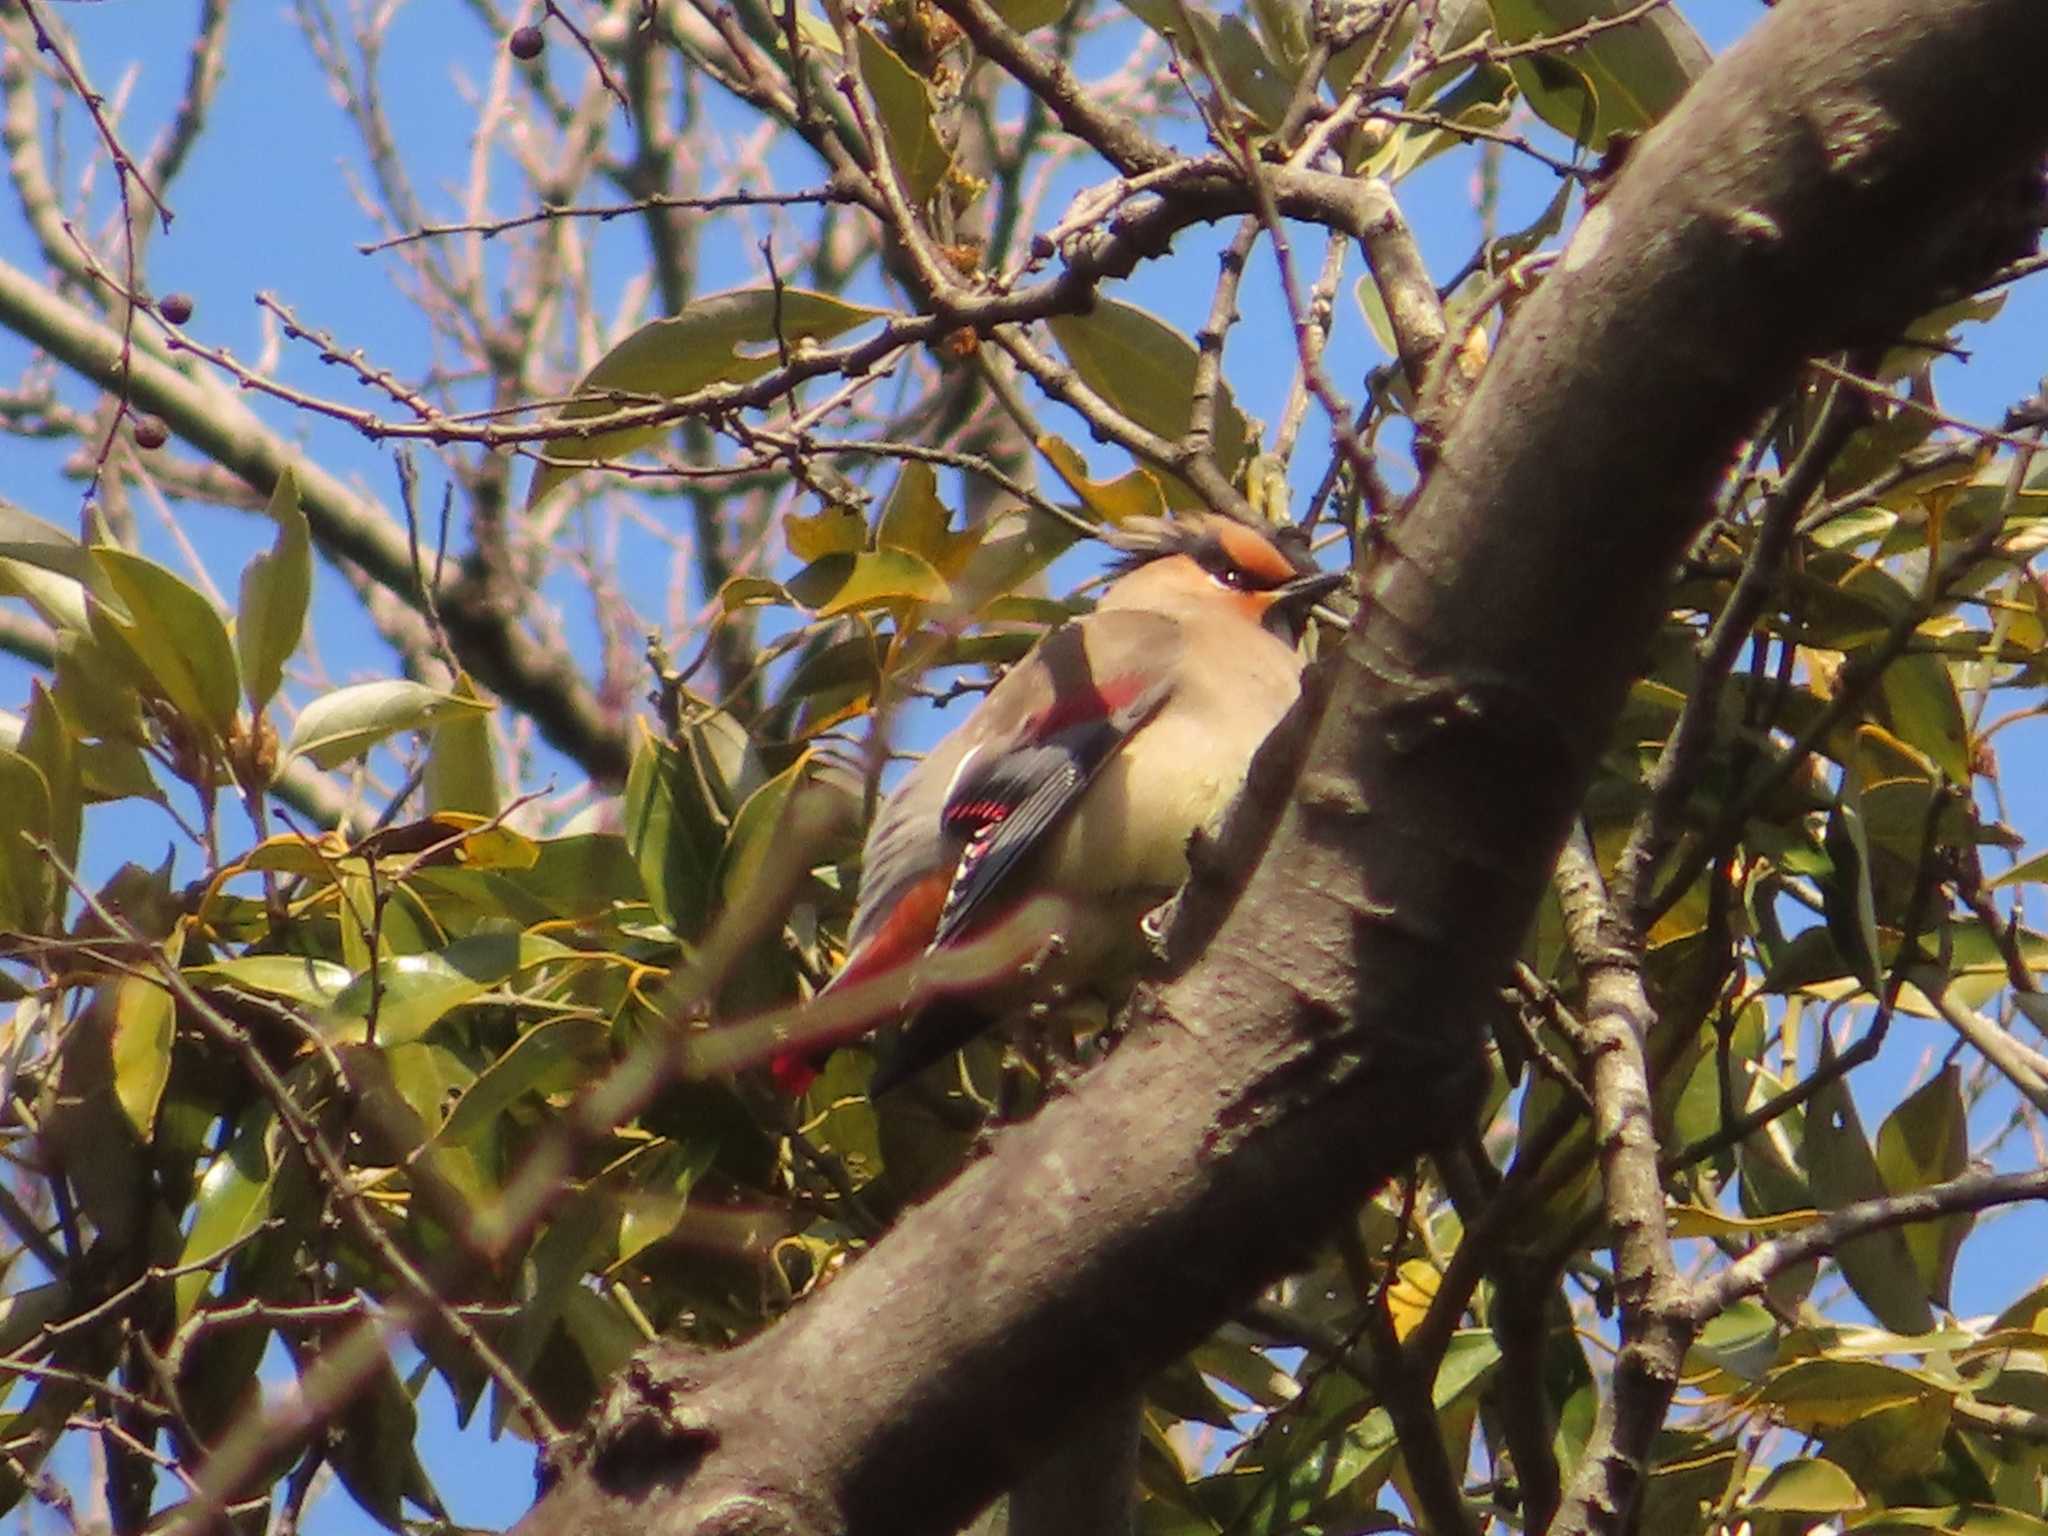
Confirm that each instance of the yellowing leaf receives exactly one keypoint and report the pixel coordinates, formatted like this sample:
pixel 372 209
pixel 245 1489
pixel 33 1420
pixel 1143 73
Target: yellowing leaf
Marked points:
pixel 142 1023
pixel 838 529
pixel 1408 1298
pixel 1133 494
pixel 1698 1221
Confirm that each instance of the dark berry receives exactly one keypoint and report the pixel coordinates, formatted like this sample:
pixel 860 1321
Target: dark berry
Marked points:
pixel 526 42
pixel 150 433
pixel 175 307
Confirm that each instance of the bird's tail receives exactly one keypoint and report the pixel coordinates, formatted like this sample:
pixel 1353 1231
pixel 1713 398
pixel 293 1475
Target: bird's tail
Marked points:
pixel 868 994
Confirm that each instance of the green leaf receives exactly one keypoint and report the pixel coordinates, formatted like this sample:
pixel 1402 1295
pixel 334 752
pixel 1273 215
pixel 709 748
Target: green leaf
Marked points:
pixel 1482 99
pixel 170 637
pixel 1818 1393
pixel 1842 1171
pixel 661 1192
pixel 750 592
pixel 726 338
pixel 409 994
pixel 462 769
pixel 1306 1475
pixel 1228 50
pixel 43 545
pixel 143 1023
pixel 1146 369
pixel 28 882
pixel 234 1199
pixel 1847 897
pixel 60 600
pixel 874 578
pixel 1029 15
pixel 277 588
pixel 1920 697
pixel 600 1332
pixel 96 689
pixel 1806 1485
pixel 350 721
pixel 675 826
pixel 905 103
pixel 371 1447
pixel 1924 1141
pixel 913 519
pixel 296 978
pixel 1954 1520
pixel 1636 73
pixel 47 741
pixel 552 1057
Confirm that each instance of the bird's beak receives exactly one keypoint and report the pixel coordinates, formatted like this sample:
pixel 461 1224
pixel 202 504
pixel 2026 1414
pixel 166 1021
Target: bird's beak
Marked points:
pixel 1291 602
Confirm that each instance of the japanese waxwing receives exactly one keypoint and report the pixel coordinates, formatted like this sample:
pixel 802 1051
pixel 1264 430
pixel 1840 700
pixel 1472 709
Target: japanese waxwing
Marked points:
pixel 1009 871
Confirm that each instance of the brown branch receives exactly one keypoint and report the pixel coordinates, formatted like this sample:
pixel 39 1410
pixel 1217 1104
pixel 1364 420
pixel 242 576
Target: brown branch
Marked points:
pixel 1656 1325
pixel 1328 1030
pixel 1754 1270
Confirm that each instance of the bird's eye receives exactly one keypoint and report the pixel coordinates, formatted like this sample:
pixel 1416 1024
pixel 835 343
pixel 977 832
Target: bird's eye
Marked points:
pixel 1223 569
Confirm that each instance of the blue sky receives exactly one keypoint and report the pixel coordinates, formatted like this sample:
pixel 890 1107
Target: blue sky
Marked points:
pixel 266 207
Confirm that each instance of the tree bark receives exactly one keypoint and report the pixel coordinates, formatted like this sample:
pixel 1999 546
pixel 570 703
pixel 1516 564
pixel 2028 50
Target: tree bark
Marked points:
pixel 1837 173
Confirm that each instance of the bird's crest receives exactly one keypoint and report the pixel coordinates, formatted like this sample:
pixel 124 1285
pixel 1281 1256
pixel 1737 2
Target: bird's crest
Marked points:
pixel 1204 537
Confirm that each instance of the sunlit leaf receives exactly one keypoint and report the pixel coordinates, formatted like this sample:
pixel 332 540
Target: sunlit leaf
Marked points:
pixel 143 1022
pixel 875 578
pixel 277 587
pixel 1808 1485
pixel 1925 1140
pixel 296 978
pixel 350 721
pixel 233 1201
pixel 462 768
pixel 1697 1221
pixel 408 994
pixel 905 103
pixel 1135 493
pixel 32 541
pixel 835 529
pixel 169 636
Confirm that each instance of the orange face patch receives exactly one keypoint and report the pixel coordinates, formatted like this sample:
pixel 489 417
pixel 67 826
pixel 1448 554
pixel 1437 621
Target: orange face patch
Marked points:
pixel 1254 554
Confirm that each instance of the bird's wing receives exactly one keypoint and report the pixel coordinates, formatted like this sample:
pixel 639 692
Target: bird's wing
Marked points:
pixel 1009 795
pixel 1004 804
pixel 1023 757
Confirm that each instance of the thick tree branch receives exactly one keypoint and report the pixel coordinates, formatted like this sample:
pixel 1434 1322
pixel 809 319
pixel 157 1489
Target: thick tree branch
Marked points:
pixel 1824 183
pixel 490 640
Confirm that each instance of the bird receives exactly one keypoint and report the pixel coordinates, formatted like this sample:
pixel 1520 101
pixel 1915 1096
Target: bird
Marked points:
pixel 1010 870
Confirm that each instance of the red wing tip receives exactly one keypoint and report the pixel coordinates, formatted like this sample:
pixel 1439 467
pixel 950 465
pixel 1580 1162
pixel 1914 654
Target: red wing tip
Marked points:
pixel 792 1074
